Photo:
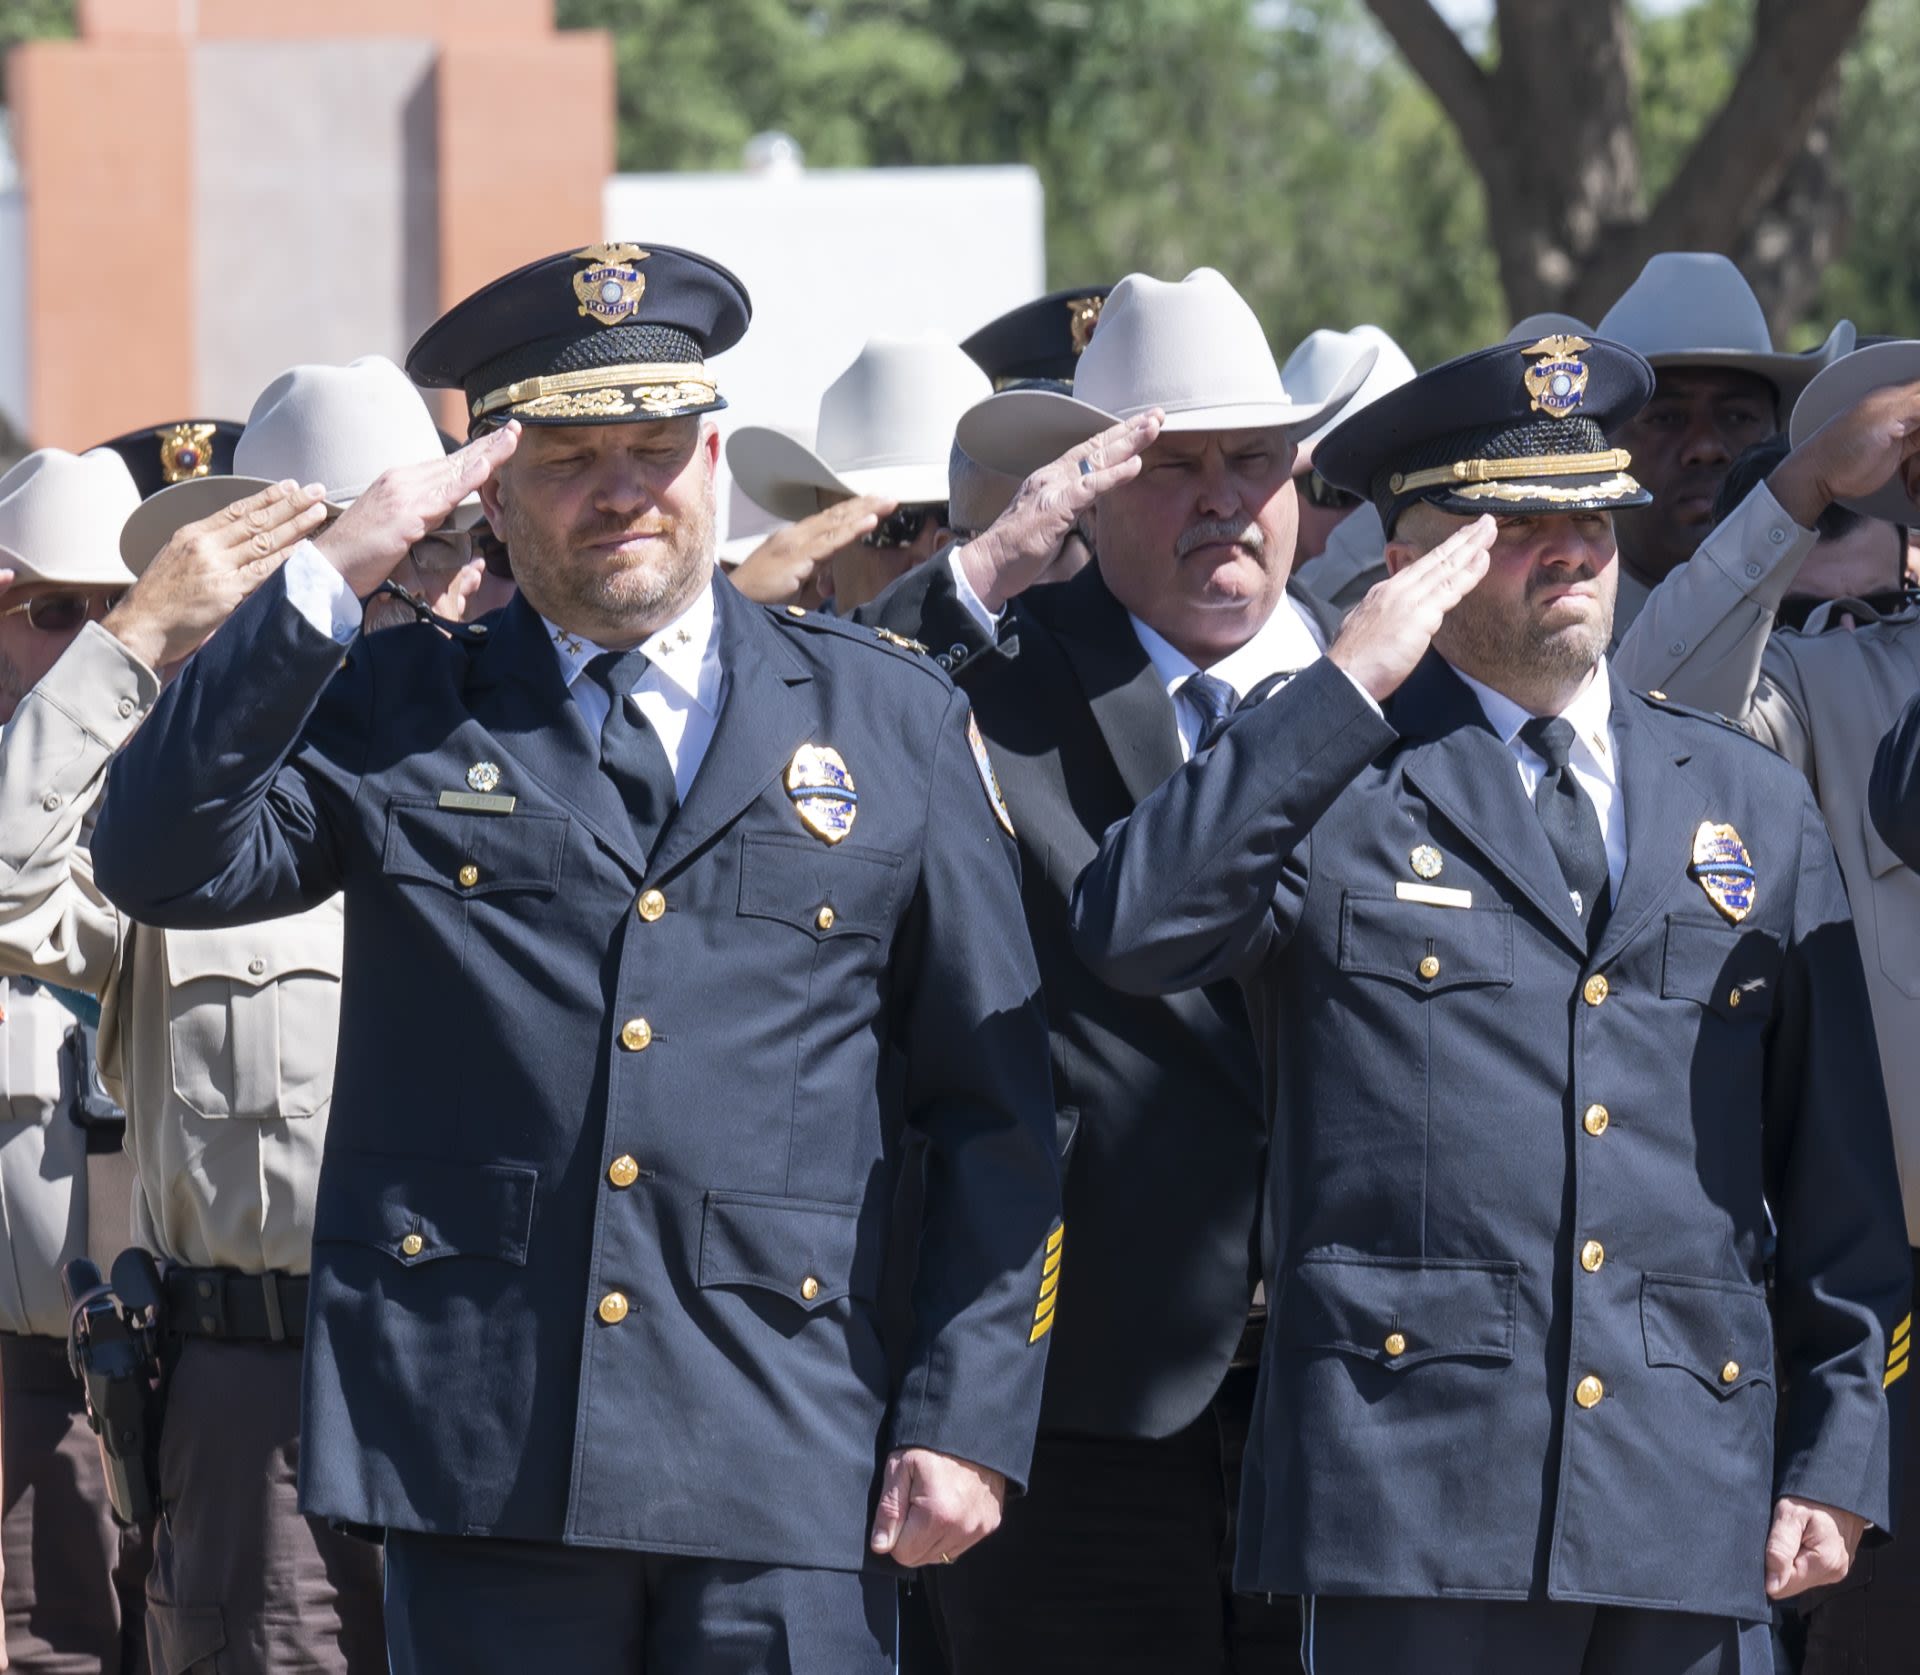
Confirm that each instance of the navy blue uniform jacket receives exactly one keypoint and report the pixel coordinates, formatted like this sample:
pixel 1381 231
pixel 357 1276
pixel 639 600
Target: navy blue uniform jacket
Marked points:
pixel 1519 1194
pixel 462 1375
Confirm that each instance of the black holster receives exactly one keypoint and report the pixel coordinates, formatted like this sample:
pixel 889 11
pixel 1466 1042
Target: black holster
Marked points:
pixel 114 1336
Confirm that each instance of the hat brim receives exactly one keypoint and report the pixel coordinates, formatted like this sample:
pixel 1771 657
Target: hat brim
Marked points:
pixel 786 477
pixel 155 521
pixel 1597 491
pixel 1839 387
pixel 1018 431
pixel 25 570
pixel 1788 374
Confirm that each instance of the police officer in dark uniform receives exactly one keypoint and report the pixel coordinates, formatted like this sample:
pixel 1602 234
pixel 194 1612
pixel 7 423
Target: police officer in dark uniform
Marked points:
pixel 1566 1043
pixel 699 908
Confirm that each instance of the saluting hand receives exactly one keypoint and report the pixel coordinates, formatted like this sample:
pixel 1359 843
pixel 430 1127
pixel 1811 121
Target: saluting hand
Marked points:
pixel 1853 453
pixel 1809 1546
pixel 792 565
pixel 934 1507
pixel 406 504
pixel 1390 630
pixel 204 573
pixel 1006 558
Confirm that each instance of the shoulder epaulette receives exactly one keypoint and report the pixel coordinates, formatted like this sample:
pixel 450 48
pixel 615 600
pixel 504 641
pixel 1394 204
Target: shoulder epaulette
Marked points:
pixel 1660 701
pixel 875 639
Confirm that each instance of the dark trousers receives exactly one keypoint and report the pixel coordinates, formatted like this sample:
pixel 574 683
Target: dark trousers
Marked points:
pixel 1501 1637
pixel 242 1582
pixel 1118 1559
pixel 480 1607
pixel 1871 1622
pixel 74 1578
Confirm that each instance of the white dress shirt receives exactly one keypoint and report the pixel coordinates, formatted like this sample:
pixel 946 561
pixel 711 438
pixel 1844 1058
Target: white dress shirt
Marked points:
pixel 680 693
pixel 1284 644
pixel 1594 759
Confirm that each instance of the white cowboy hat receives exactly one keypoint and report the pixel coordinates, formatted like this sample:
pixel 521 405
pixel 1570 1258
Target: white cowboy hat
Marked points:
pixel 1313 372
pixel 1548 324
pixel 886 427
pixel 340 426
pixel 60 517
pixel 1837 389
pixel 1192 349
pixel 1694 308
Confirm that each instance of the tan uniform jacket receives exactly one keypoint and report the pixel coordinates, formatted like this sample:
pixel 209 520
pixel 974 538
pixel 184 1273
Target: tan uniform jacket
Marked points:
pixel 1824 700
pixel 219 1043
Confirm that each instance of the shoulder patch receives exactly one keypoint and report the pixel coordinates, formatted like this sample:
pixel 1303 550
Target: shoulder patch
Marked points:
pixel 989 780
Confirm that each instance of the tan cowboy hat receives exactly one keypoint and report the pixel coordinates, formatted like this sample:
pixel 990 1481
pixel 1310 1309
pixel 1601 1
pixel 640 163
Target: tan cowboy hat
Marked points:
pixel 340 426
pixel 1314 371
pixel 886 427
pixel 1837 389
pixel 1695 308
pixel 1193 349
pixel 60 518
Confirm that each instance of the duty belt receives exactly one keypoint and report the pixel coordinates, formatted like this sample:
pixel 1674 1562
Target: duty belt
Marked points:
pixel 245 1308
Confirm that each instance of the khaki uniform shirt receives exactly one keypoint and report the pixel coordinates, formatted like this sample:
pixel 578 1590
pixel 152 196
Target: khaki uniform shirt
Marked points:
pixel 1824 699
pixel 219 1044
pixel 43 1176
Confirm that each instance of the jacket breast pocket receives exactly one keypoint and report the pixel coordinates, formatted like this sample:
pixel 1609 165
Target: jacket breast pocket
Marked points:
pixel 1718 1330
pixel 474 854
pixel 1401 1311
pixel 807 1252
pixel 253 1015
pixel 827 893
pixel 1730 972
pixel 1423 948
pixel 419 1210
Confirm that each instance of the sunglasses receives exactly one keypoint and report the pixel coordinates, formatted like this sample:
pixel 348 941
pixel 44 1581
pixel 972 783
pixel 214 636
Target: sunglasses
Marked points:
pixel 1793 612
pixel 64 613
pixel 1319 492
pixel 903 528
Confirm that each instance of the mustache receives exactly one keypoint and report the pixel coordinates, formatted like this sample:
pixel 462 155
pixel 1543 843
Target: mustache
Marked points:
pixel 602 530
pixel 1242 532
pixel 1539 583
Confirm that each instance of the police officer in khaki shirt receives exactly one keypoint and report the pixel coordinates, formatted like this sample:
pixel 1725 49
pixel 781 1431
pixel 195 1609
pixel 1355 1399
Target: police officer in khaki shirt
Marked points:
pixel 74 1581
pixel 220 1044
pixel 1824 698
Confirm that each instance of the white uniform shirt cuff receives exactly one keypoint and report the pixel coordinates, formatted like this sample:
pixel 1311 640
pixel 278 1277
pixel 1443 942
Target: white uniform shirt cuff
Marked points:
pixel 974 605
pixel 320 594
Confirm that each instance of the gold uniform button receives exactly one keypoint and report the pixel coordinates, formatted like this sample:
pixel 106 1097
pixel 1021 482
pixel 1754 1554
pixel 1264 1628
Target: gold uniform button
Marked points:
pixel 652 905
pixel 1596 1120
pixel 1429 968
pixel 613 1308
pixel 796 610
pixel 412 1245
pixel 809 1288
pixel 1596 989
pixel 1396 1344
pixel 623 1171
pixel 1589 1391
pixel 636 1034
pixel 1733 997
pixel 1592 1255
pixel 824 918
pixel 469 875
pixel 1729 1372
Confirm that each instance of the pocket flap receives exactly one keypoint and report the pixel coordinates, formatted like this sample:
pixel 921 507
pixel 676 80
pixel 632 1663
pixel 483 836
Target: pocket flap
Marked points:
pixel 1712 963
pixel 518 851
pixel 1428 1309
pixel 823 891
pixel 1425 948
pixel 450 1209
pixel 806 1251
pixel 259 954
pixel 1710 1328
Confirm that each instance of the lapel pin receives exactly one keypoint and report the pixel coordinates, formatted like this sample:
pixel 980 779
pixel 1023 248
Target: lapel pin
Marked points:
pixel 1425 861
pixel 483 776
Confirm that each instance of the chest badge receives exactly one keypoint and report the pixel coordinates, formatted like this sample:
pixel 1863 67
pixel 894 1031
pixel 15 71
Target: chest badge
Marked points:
pixel 822 792
pixel 988 778
pixel 1722 867
pixel 483 776
pixel 1425 861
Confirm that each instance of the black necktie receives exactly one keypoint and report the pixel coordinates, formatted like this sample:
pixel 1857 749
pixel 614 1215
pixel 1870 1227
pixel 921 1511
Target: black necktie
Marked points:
pixel 1573 829
pixel 1213 701
pixel 631 754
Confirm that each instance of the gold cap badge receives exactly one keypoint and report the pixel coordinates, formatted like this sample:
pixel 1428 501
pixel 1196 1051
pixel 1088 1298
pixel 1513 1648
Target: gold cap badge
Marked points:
pixel 822 791
pixel 610 286
pixel 186 450
pixel 1083 314
pixel 1557 381
pixel 1722 868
